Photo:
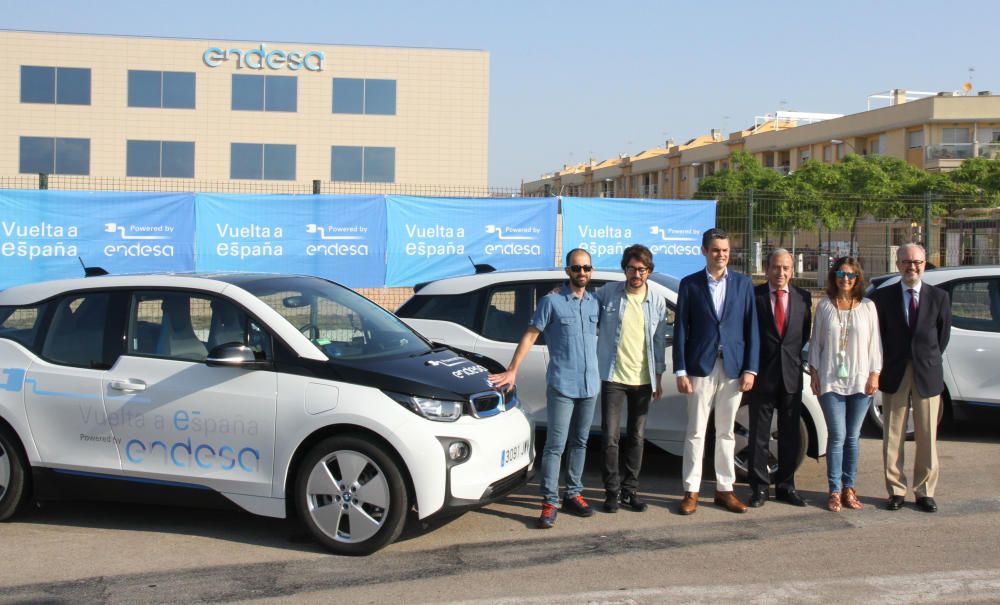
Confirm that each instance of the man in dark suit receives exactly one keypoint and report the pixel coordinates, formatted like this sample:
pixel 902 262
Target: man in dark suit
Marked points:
pixel 715 359
pixel 914 320
pixel 784 318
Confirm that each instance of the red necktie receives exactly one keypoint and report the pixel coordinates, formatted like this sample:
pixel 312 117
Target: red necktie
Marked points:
pixel 913 308
pixel 779 312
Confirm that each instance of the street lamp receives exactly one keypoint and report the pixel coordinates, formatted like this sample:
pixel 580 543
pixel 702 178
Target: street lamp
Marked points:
pixel 841 142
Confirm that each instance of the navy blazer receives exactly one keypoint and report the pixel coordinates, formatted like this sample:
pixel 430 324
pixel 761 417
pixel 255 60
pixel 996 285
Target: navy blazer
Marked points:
pixel 921 348
pixel 698 331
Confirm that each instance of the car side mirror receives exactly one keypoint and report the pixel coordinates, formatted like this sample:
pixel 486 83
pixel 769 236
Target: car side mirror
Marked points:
pixel 233 354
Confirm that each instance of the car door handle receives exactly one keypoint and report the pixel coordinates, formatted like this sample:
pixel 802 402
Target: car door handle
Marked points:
pixel 127 385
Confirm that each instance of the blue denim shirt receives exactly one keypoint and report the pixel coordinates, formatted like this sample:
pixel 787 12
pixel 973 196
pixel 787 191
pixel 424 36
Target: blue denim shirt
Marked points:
pixel 613 300
pixel 570 328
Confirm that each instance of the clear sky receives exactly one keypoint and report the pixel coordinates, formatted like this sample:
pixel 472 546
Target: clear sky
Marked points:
pixel 573 80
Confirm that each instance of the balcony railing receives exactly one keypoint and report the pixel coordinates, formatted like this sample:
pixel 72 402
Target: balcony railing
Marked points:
pixel 949 151
pixel 990 151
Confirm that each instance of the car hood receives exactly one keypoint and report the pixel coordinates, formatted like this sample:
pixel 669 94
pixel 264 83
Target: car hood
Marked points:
pixel 441 373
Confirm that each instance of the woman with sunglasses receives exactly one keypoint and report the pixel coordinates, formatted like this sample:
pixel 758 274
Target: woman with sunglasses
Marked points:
pixel 845 358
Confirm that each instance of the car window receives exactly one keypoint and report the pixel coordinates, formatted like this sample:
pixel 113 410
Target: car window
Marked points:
pixel 340 323
pixel 508 312
pixel 186 326
pixel 975 305
pixel 21 324
pixel 76 335
pixel 456 308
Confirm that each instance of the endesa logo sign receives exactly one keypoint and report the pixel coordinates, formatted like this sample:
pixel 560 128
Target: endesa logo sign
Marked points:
pixel 261 57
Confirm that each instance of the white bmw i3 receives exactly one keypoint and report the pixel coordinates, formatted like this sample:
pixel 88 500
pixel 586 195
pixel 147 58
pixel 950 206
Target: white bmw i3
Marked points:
pixel 280 393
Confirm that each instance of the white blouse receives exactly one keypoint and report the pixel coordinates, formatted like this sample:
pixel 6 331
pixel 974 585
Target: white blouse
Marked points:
pixel 864 346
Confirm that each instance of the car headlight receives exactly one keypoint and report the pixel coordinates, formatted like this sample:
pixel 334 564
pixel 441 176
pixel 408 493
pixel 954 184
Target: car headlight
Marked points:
pixel 440 410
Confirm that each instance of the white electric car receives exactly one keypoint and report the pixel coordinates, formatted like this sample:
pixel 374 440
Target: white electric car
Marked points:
pixel 488 312
pixel 283 394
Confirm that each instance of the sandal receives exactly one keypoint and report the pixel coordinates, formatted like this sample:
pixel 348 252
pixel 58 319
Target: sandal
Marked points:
pixel 850 499
pixel 833 504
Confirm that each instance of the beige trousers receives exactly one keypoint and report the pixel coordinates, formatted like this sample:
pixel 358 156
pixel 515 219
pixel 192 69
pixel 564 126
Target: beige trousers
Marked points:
pixel 925 416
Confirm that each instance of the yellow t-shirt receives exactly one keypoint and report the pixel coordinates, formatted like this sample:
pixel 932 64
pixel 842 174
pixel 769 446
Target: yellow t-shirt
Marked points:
pixel 632 363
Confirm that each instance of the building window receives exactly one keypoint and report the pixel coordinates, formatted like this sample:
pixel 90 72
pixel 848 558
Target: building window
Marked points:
pixel 914 139
pixel 372 97
pixel 61 85
pixel 174 159
pixel 167 89
pixel 955 136
pixel 258 161
pixel 363 164
pixel 50 155
pixel 827 153
pixel 265 93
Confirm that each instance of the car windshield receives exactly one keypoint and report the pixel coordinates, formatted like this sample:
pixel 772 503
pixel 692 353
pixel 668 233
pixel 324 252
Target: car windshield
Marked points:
pixel 340 323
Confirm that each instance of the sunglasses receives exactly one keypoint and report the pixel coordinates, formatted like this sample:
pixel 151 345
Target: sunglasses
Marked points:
pixel 579 268
pixel 847 274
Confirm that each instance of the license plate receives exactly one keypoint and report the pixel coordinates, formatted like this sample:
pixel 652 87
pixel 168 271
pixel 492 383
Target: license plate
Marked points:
pixel 512 454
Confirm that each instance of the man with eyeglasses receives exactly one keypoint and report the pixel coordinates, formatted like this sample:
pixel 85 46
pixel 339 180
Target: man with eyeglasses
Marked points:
pixel 715 359
pixel 568 318
pixel 631 340
pixel 915 325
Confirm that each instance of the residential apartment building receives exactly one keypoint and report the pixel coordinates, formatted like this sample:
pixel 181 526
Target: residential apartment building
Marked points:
pixel 140 108
pixel 936 133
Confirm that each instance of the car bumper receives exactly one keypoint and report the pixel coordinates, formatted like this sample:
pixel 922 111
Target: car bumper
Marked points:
pixel 502 459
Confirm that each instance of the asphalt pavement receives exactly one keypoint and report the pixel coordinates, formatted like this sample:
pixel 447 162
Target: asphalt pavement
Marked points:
pixel 82 552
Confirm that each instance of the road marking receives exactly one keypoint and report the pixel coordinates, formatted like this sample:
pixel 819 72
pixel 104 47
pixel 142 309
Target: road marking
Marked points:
pixel 970 586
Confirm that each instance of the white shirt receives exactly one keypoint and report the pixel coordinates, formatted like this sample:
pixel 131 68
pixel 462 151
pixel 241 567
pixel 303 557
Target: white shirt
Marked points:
pixel 864 346
pixel 717 288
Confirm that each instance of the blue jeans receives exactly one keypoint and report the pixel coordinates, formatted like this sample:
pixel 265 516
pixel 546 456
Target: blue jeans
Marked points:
pixel 569 421
pixel 844 415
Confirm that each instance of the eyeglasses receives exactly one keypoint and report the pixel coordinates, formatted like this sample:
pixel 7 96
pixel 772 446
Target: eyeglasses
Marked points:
pixel 636 270
pixel 915 263
pixel 847 274
pixel 581 268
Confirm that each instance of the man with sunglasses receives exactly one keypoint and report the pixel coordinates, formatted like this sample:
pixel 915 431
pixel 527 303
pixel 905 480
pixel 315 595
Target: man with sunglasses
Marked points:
pixel 715 359
pixel 631 341
pixel 915 325
pixel 568 318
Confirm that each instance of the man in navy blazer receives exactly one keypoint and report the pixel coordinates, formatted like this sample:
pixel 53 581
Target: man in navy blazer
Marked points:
pixel 716 356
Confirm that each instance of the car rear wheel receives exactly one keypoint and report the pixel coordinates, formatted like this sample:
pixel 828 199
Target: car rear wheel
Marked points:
pixel 741 431
pixel 13 476
pixel 351 495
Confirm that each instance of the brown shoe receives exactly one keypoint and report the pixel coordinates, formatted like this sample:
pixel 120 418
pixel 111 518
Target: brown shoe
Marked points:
pixel 833 503
pixel 689 504
pixel 730 502
pixel 849 498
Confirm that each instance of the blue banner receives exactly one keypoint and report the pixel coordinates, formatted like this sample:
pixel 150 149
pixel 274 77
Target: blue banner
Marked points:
pixel 670 228
pixel 431 238
pixel 340 237
pixel 45 234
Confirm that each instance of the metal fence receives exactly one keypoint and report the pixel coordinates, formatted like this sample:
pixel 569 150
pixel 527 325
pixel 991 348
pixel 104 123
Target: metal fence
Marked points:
pixel 820 228
pixel 816 228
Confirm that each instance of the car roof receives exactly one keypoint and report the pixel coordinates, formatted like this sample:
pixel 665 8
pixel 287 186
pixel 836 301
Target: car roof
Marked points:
pixel 468 283
pixel 27 294
pixel 942 275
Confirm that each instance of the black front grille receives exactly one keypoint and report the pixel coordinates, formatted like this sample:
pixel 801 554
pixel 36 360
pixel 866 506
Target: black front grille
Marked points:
pixel 506 485
pixel 486 404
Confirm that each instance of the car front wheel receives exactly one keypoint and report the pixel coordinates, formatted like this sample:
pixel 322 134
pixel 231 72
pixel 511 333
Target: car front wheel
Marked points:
pixel 351 495
pixel 741 431
pixel 13 476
